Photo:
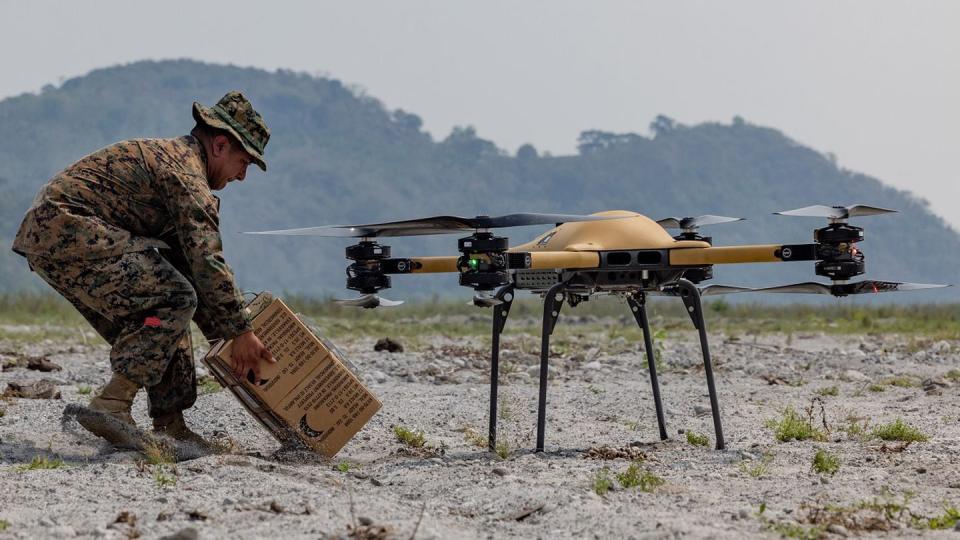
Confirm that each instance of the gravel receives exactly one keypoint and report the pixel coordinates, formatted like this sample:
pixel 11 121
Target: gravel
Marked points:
pixel 599 396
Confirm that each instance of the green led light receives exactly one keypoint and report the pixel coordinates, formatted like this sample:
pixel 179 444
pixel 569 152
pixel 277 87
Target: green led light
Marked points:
pixel 473 263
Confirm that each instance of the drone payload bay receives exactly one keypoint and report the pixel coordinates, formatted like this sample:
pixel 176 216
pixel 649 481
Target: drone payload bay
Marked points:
pixel 613 252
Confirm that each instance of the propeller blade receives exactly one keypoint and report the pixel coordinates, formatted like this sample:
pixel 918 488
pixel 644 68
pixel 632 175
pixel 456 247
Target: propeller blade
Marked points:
pixel 809 287
pixel 873 286
pixel 868 286
pixel 709 290
pixel 712 290
pixel 368 301
pixel 434 225
pixel 695 222
pixel 485 300
pixel 836 212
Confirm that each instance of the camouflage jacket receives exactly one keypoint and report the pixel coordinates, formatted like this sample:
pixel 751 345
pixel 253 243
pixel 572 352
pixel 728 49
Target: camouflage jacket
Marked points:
pixel 133 196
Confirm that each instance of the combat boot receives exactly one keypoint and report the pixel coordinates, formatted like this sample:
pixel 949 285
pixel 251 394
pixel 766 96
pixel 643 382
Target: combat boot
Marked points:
pixel 173 425
pixel 108 414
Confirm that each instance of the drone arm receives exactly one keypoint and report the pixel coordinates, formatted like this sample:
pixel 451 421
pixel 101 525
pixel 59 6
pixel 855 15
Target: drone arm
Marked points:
pixel 743 254
pixel 433 265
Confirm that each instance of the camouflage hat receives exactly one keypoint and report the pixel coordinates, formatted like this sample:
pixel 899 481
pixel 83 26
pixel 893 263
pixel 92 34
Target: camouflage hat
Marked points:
pixel 234 114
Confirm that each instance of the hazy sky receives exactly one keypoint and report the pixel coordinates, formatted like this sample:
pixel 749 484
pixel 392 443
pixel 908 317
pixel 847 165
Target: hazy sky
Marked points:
pixel 876 82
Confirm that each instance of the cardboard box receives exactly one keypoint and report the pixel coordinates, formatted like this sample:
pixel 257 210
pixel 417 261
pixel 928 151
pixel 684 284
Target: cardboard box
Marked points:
pixel 311 394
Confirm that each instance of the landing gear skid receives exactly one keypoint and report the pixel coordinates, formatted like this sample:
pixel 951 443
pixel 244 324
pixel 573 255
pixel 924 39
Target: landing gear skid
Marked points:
pixel 552 303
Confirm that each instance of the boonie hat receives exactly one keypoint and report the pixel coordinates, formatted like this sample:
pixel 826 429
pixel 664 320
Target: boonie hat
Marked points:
pixel 234 114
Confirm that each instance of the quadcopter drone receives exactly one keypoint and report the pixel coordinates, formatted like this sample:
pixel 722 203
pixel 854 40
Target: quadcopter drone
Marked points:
pixel 614 252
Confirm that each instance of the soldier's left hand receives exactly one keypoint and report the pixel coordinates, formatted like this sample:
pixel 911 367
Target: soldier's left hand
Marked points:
pixel 247 354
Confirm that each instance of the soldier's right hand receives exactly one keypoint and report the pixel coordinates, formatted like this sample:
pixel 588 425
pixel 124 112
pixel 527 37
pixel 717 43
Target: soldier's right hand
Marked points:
pixel 247 354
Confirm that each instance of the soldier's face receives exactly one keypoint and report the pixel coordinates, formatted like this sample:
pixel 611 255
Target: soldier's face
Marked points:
pixel 230 162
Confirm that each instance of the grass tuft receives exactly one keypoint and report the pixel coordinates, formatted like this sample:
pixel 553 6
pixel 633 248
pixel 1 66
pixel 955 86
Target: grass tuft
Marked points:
pixel 208 385
pixel 759 469
pixel 899 431
pixel 413 439
pixel 825 463
pixel 601 482
pixel 84 389
pixel 949 519
pixel 635 477
pixel 41 463
pixel 4 525
pixel 697 439
pixel 793 427
pixel 829 391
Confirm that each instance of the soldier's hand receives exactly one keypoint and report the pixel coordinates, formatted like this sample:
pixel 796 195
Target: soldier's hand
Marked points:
pixel 247 354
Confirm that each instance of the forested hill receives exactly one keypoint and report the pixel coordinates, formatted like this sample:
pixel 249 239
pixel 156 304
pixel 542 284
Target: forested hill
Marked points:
pixel 339 156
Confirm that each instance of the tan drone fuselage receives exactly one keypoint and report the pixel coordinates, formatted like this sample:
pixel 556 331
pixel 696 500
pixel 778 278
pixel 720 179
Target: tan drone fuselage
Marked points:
pixel 577 245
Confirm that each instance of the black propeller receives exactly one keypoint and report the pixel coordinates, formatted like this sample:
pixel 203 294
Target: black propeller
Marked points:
pixel 691 224
pixel 434 225
pixel 836 212
pixel 709 290
pixel 844 289
pixel 369 301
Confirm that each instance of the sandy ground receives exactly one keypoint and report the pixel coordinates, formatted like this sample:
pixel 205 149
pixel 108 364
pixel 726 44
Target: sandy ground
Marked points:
pixel 599 395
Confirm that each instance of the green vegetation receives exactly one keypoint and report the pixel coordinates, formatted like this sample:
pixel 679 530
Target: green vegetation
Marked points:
pixel 164 476
pixel 795 530
pixel 502 449
pixel 41 463
pixel 758 469
pixel 59 320
pixel 208 385
pixel 413 439
pixel 4 525
pixel 84 389
pixel 636 477
pixel 902 381
pixel 344 466
pixel 829 391
pixel 347 158
pixel 947 520
pixel 793 427
pixel 877 387
pixel 697 439
pixel 898 431
pixel 601 482
pixel 825 463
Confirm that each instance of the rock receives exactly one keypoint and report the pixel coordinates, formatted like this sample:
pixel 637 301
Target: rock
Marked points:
pixel 941 347
pixel 389 345
pixel 42 389
pixel 61 532
pixel 852 375
pixel 41 363
pixel 500 471
pixel 838 530
pixel 593 365
pixel 364 521
pixel 700 410
pixel 126 517
pixel 533 371
pixel 183 534
pixel 744 514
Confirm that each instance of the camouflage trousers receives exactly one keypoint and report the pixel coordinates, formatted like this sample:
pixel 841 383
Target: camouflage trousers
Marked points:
pixel 142 306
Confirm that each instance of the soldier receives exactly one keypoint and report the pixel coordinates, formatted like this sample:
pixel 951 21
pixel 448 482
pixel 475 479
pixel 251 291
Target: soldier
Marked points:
pixel 130 236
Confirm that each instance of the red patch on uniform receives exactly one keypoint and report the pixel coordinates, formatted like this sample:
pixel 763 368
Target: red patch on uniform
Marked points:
pixel 152 322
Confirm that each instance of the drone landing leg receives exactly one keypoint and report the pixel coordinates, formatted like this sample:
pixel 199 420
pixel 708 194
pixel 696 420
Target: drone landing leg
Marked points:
pixel 500 312
pixel 552 303
pixel 691 300
pixel 638 306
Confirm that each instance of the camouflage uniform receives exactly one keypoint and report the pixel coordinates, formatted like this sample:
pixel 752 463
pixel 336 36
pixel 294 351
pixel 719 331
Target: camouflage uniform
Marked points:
pixel 130 236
